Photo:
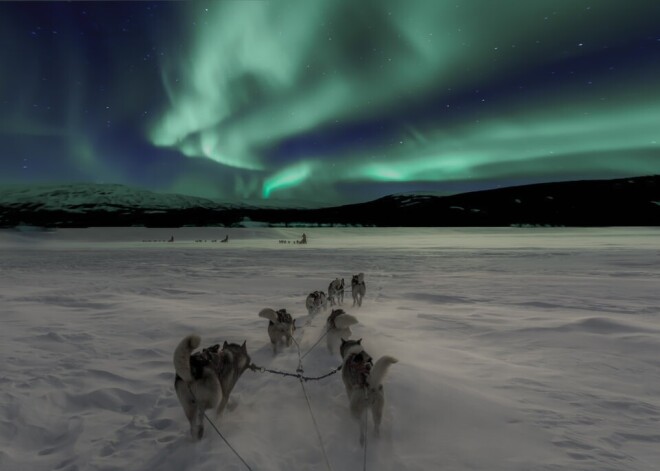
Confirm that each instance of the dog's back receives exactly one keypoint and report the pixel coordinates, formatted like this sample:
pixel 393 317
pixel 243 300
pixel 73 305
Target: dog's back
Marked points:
pixel 284 317
pixel 356 364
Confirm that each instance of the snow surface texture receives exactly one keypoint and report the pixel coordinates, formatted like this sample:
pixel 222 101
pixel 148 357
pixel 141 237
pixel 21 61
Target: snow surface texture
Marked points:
pixel 519 349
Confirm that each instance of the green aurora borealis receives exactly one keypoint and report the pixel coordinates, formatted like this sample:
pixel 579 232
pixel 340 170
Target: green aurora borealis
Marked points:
pixel 330 101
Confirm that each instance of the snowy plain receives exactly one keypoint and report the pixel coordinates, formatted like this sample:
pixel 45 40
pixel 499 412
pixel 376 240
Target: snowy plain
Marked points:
pixel 519 349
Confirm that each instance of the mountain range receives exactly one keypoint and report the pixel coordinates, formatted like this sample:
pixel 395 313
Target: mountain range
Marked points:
pixel 621 202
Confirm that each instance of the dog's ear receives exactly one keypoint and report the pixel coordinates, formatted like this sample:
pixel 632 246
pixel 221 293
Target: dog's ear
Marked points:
pixel 244 346
pixel 225 345
pixel 215 348
pixel 359 342
pixel 343 341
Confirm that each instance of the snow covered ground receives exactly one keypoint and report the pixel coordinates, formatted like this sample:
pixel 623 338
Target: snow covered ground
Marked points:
pixel 519 349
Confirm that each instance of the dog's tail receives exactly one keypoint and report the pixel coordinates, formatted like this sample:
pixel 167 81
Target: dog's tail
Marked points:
pixel 268 313
pixel 182 356
pixel 342 321
pixel 378 371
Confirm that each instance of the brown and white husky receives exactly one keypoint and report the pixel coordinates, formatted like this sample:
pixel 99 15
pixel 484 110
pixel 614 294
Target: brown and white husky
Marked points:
pixel 205 379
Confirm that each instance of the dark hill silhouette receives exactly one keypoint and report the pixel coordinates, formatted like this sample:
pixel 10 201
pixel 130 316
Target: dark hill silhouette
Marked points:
pixel 620 202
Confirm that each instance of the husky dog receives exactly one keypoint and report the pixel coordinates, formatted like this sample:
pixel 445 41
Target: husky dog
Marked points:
pixel 280 327
pixel 363 381
pixel 315 301
pixel 336 291
pixel 358 288
pixel 205 379
pixel 338 326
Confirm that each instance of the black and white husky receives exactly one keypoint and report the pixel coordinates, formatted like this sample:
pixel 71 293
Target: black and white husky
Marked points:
pixel 339 327
pixel 358 288
pixel 315 301
pixel 363 381
pixel 336 291
pixel 280 327
pixel 205 379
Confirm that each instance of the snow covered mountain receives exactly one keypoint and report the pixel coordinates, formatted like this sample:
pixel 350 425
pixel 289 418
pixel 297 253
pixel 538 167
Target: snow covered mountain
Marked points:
pixel 79 205
pixel 621 202
pixel 109 197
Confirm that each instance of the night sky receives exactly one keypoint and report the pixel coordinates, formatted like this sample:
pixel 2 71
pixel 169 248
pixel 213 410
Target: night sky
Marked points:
pixel 327 101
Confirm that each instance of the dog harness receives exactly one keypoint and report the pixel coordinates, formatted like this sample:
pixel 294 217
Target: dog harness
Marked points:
pixel 211 357
pixel 284 317
pixel 359 368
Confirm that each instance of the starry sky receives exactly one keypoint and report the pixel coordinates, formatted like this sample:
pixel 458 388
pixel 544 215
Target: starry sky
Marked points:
pixel 328 102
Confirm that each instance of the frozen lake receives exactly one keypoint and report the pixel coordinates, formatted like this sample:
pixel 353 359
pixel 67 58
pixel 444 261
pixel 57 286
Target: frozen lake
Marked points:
pixel 519 349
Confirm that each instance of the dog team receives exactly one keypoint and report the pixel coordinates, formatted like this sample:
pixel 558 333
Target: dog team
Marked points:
pixel 204 379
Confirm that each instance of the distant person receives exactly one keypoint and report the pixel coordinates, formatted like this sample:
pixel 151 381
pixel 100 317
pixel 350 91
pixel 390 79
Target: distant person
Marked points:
pixel 171 239
pixel 226 239
pixel 304 239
